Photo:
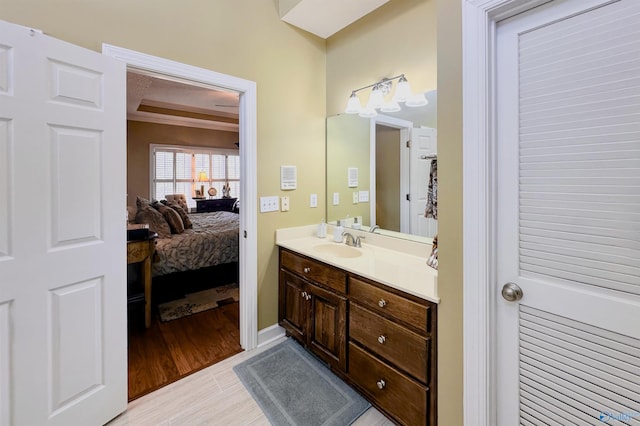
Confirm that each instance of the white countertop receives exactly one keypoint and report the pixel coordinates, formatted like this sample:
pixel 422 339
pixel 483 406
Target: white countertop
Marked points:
pixel 397 263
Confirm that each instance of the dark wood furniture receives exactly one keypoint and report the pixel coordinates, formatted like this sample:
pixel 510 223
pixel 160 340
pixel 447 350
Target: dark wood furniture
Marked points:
pixel 215 205
pixel 141 251
pixel 380 340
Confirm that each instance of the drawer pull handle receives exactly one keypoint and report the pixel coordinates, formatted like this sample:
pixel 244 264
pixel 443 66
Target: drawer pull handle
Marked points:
pixel 382 339
pixel 307 270
pixel 381 384
pixel 382 303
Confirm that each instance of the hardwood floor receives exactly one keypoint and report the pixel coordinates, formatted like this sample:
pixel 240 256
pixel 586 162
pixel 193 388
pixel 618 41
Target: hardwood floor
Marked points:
pixel 166 352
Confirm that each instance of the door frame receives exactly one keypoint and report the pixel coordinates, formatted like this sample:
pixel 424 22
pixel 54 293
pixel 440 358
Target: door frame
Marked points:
pixel 405 127
pixel 248 279
pixel 479 20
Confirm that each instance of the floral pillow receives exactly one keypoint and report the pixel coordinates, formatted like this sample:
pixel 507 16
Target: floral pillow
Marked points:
pixel 155 220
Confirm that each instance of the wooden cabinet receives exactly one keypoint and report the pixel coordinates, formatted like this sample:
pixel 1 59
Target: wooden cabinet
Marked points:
pixel 215 205
pixel 392 351
pixel 380 340
pixel 311 310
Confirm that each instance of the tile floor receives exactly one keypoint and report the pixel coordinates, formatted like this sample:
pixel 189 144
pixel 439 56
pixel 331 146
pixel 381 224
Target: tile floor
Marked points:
pixel 212 396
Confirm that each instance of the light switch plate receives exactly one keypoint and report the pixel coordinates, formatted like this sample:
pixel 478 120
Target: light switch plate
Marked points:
pixel 268 204
pixel 284 205
pixel 336 198
pixel 355 197
pixel 313 200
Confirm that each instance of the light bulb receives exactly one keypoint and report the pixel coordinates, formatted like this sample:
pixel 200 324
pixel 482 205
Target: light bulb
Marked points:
pixel 353 106
pixel 403 90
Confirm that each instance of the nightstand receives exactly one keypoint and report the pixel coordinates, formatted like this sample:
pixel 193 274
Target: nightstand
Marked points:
pixel 141 251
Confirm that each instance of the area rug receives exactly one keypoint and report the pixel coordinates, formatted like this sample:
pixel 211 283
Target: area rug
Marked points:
pixel 200 301
pixel 294 388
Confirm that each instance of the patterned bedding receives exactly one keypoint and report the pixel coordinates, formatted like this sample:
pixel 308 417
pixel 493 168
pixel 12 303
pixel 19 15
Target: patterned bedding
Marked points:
pixel 212 241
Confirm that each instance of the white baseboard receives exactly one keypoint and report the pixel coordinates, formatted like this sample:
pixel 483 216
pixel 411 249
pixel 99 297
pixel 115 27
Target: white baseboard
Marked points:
pixel 269 334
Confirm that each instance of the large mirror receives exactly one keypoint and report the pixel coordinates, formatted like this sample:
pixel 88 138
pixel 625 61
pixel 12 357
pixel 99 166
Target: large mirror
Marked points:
pixel 376 178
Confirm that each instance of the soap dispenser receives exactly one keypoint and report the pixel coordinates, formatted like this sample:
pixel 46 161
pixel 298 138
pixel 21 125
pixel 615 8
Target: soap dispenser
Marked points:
pixel 337 233
pixel 322 229
pixel 355 224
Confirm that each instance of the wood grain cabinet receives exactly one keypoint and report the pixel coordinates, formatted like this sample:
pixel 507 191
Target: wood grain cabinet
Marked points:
pixel 312 308
pixel 381 340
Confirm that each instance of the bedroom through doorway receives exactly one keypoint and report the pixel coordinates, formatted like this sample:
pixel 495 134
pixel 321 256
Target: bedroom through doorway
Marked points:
pixel 183 151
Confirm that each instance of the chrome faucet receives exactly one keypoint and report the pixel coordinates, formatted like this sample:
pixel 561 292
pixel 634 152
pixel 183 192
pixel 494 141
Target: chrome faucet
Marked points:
pixel 373 228
pixel 352 241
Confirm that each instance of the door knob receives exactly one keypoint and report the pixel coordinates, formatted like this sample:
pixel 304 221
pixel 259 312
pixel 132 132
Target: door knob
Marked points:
pixel 511 292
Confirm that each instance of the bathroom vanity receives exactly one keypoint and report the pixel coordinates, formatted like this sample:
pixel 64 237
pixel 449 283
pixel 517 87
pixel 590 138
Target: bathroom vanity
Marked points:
pixel 370 313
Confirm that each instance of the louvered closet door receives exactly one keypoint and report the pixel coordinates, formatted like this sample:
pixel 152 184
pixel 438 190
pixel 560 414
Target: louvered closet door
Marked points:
pixel 567 182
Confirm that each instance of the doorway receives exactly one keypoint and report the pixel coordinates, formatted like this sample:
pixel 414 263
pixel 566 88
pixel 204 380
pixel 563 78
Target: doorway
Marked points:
pixel 247 274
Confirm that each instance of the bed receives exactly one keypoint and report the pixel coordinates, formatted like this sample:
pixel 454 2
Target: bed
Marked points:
pixel 188 241
pixel 212 241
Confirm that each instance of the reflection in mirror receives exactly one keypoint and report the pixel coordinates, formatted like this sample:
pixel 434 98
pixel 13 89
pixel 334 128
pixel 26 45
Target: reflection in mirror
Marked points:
pixel 375 177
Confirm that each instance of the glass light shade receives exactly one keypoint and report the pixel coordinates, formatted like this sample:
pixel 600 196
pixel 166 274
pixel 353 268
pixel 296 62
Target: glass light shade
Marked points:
pixel 376 98
pixel 368 112
pixel 417 101
pixel 353 106
pixel 403 90
pixel 392 106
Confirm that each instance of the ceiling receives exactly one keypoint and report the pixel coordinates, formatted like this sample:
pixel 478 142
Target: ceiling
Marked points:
pixel 325 17
pixel 155 99
pixel 162 100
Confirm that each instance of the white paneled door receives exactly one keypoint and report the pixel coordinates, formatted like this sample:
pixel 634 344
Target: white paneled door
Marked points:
pixel 423 151
pixel 568 214
pixel 63 316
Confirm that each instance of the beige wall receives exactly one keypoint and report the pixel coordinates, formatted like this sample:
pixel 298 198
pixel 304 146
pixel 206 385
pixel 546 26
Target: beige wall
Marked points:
pixel 243 38
pixel 400 37
pixel 140 135
pixel 348 146
pixel 450 366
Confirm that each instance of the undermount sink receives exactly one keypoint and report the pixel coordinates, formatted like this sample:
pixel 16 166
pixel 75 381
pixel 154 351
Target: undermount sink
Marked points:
pixel 337 250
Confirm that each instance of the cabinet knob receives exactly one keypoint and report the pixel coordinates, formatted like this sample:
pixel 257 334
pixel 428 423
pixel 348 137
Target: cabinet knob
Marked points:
pixel 308 297
pixel 304 294
pixel 382 303
pixel 307 270
pixel 382 339
pixel 381 384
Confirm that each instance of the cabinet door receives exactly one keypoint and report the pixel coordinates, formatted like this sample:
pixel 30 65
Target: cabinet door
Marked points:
pixel 293 309
pixel 327 329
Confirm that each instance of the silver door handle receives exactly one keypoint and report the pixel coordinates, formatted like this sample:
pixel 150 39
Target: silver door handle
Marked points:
pixel 511 292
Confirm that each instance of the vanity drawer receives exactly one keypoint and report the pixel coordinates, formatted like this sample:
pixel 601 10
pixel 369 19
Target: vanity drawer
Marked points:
pixel 385 302
pixel 315 271
pixel 398 345
pixel 399 395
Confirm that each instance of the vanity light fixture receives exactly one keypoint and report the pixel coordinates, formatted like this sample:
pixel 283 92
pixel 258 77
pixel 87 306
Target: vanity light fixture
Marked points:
pixel 379 91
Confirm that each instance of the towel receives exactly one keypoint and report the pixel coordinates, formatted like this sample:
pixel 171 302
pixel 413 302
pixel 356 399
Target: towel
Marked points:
pixel 432 192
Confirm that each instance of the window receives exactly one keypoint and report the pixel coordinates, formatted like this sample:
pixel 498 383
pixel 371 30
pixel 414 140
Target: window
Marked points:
pixel 176 170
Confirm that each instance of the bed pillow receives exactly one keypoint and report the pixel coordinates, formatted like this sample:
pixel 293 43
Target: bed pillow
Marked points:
pixel 155 220
pixel 142 202
pixel 171 216
pixel 183 214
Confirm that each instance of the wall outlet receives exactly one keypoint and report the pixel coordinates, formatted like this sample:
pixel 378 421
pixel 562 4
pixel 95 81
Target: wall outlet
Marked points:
pixel 268 204
pixel 336 198
pixel 284 204
pixel 355 197
pixel 313 200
